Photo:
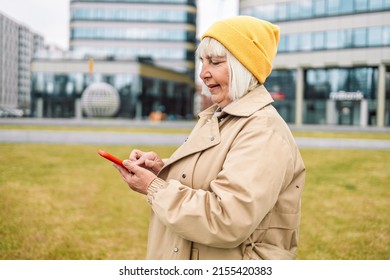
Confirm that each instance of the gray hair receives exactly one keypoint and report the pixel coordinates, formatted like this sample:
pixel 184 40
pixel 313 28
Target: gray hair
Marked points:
pixel 241 80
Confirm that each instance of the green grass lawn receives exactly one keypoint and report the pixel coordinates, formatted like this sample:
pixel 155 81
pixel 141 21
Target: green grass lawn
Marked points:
pixel 66 202
pixel 346 203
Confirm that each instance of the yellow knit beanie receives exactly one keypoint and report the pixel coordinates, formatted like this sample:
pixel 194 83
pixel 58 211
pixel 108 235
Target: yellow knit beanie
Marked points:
pixel 252 41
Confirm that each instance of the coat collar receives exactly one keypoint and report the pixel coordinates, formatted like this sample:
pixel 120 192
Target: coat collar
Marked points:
pixel 245 106
pixel 206 132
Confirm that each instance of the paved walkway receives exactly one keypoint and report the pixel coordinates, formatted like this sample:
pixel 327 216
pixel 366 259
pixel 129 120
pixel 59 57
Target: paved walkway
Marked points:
pixel 88 137
pixel 117 138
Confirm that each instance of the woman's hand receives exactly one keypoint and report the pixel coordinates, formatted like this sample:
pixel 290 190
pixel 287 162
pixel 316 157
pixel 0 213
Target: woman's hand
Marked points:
pixel 148 160
pixel 136 177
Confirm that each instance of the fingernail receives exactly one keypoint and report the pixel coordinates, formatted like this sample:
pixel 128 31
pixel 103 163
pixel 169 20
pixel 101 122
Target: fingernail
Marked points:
pixel 126 163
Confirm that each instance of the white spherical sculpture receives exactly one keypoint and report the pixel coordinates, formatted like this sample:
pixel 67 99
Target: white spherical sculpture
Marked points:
pixel 100 100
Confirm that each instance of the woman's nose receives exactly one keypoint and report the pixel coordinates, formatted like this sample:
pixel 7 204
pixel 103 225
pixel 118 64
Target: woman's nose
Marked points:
pixel 204 72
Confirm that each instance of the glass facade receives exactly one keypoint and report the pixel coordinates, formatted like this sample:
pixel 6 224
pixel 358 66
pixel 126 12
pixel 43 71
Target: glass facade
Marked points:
pixel 348 87
pixel 319 86
pixel 59 93
pixel 312 9
pixel 281 85
pixel 192 2
pixel 145 34
pixel 120 14
pixel 126 52
pixel 164 31
pixel 368 37
pixel 334 53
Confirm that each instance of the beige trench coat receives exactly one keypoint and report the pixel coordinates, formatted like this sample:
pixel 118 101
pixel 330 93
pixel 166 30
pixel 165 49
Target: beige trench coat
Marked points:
pixel 232 190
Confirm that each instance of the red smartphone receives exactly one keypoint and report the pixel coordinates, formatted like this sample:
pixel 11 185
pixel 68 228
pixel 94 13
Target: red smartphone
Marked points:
pixel 110 157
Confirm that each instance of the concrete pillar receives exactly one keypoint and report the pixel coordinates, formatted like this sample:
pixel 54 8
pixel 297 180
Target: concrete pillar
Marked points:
pixel 381 96
pixel 299 88
pixel 331 112
pixel 78 108
pixel 363 112
pixel 39 108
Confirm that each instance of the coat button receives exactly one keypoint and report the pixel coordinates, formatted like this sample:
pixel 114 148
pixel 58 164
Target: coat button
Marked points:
pixel 175 249
pixel 212 138
pixel 183 175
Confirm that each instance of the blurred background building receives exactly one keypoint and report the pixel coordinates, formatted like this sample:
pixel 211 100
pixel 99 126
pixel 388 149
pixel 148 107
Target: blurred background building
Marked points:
pixel 144 49
pixel 162 31
pixel 333 62
pixel 17 47
pixel 58 86
pixel 332 67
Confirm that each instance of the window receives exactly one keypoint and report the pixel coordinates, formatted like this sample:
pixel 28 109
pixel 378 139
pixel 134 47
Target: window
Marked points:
pixel 283 44
pixel 281 11
pixel 338 79
pixel 319 8
pixel 305 9
pixel 323 81
pixel 293 10
pixel 361 5
pixel 345 37
pixel 375 5
pixel 318 41
pixel 317 85
pixel 336 39
pixel 333 7
pixel 386 35
pixel 248 12
pixel 292 44
pixel 346 7
pixel 374 36
pixel 267 12
pixel 359 37
pixel 363 79
pixel 283 81
pixel 305 42
pixel 332 39
pixel 128 15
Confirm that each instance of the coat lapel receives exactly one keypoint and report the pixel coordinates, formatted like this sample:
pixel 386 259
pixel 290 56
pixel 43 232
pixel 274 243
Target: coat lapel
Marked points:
pixel 204 136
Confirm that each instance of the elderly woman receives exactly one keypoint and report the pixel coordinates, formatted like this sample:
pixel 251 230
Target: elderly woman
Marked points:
pixel 233 189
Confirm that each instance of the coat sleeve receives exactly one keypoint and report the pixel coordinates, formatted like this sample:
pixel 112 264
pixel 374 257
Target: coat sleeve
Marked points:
pixel 257 166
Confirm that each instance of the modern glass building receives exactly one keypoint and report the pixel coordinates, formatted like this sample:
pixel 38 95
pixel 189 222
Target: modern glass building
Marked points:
pixel 164 31
pixel 333 62
pixel 58 86
pixel 143 49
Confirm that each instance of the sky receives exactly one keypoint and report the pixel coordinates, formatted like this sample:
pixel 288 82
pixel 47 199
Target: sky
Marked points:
pixel 50 18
